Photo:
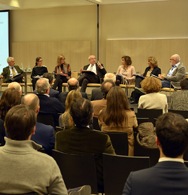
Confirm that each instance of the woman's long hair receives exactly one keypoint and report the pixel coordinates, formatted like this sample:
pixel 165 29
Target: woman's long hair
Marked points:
pixel 117 104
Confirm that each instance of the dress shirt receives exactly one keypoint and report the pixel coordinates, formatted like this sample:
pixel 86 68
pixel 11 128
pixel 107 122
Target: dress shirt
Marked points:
pixel 162 159
pixel 170 72
pixel 13 71
pixel 92 68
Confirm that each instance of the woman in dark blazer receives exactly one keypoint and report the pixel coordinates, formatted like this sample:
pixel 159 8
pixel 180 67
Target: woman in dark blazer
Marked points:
pixel 38 71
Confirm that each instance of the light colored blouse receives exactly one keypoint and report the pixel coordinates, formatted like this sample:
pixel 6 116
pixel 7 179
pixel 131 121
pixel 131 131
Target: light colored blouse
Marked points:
pixel 127 127
pixel 127 72
pixel 153 101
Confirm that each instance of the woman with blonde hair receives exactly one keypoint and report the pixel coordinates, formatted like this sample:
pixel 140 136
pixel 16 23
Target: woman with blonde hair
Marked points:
pixel 152 99
pixel 62 72
pixel 117 116
pixel 65 119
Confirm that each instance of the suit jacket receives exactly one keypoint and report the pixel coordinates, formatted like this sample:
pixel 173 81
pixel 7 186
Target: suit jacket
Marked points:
pixel 6 73
pixel 178 74
pixel 96 94
pixel 53 93
pixel 100 72
pixel 85 141
pixel 63 95
pixel 164 178
pixel 44 135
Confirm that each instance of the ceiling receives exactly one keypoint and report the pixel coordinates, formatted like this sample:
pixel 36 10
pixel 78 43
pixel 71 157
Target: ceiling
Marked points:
pixel 33 4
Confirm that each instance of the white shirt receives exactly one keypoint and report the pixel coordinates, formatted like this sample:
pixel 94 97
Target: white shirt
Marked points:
pixel 170 72
pixel 92 68
pixel 162 159
pixel 10 68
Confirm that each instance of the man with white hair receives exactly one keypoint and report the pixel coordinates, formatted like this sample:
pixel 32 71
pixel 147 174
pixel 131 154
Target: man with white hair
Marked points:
pixel 91 73
pixel 16 86
pixel 97 94
pixel 176 72
pixel 12 72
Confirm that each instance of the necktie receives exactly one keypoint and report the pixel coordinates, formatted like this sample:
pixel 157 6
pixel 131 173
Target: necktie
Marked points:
pixel 13 72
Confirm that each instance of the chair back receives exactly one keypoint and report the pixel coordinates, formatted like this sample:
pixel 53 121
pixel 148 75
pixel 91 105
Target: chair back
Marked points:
pixel 116 169
pixel 151 114
pixel 119 141
pixel 181 112
pixel 77 170
pixel 95 124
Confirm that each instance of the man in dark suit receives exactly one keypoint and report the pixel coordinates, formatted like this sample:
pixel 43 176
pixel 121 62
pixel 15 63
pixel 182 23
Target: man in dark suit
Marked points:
pixel 95 73
pixel 81 139
pixel 97 94
pixel 12 72
pixel 176 72
pixel 73 84
pixel 49 105
pixel 170 175
pixel 44 134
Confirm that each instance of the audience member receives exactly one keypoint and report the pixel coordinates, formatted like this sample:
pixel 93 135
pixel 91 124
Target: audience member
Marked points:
pixel 91 73
pixel 73 84
pixel 81 139
pixel 65 119
pixel 170 175
pixel 23 168
pixel 100 104
pixel 117 116
pixel 152 99
pixel 12 72
pixel 9 98
pixel 38 71
pixel 125 72
pixel 53 92
pixel 15 85
pixel 97 94
pixel 62 73
pixel 176 72
pixel 44 134
pixel 48 104
pixel 179 99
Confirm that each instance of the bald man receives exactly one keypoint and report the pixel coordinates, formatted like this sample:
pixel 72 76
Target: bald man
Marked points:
pixel 176 72
pixel 73 84
pixel 44 134
pixel 91 73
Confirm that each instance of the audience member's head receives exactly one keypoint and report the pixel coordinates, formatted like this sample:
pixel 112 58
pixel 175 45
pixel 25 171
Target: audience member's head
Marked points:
pixel 42 86
pixel 31 100
pixel 110 76
pixel 184 84
pixel 172 134
pixel 73 84
pixel 106 86
pixel 48 76
pixel 82 112
pixel 20 123
pixel 15 85
pixel 117 103
pixel 152 61
pixel 151 85
pixel 126 60
pixel 72 95
pixel 10 98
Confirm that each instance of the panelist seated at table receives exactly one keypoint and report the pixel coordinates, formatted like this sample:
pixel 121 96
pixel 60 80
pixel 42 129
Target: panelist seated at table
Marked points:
pixel 12 72
pixel 91 73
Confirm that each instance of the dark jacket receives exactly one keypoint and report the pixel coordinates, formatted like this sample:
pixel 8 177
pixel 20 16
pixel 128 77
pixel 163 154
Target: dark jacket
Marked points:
pixel 155 71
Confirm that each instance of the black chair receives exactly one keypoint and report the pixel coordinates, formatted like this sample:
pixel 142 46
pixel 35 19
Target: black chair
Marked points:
pixel 151 114
pixel 186 163
pixel 143 120
pixel 153 153
pixel 46 118
pixel 119 141
pixel 77 170
pixel 181 112
pixel 116 169
pixel 95 124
